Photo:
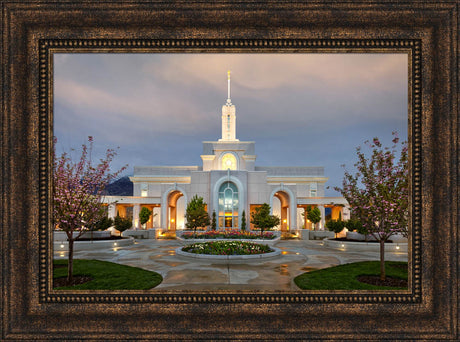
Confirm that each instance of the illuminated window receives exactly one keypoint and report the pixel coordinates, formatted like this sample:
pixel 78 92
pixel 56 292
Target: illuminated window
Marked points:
pixel 228 205
pixel 228 161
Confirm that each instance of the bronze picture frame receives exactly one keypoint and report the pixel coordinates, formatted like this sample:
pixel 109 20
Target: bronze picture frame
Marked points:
pixel 33 30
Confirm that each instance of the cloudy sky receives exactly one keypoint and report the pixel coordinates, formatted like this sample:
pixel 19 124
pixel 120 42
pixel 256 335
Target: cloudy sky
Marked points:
pixel 300 109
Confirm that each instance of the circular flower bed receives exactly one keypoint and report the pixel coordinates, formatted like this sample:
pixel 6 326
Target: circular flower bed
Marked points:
pixel 232 234
pixel 227 248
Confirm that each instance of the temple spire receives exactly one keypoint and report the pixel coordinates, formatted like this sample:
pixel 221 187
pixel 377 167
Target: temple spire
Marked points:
pixel 228 117
pixel 229 101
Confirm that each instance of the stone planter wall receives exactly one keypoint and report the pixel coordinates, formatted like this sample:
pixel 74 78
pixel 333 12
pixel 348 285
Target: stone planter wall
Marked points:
pixel 396 238
pixel 365 246
pixel 136 233
pixel 262 242
pixel 60 235
pixel 321 234
pixel 233 259
pixel 358 236
pixel 304 234
pixel 63 246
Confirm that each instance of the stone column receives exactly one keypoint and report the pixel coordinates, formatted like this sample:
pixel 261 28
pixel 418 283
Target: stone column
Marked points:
pixel 136 211
pixel 164 215
pixel 157 218
pixel 112 210
pixel 322 223
pixel 293 216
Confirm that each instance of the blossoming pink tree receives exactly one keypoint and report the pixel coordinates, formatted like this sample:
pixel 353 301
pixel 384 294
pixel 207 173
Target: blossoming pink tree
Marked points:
pixel 78 189
pixel 378 193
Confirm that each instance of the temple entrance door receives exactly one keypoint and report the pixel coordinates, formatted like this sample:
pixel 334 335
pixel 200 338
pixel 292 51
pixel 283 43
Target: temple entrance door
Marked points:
pixel 228 222
pixel 228 202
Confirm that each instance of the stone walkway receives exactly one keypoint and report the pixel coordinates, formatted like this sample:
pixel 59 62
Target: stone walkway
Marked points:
pixel 277 273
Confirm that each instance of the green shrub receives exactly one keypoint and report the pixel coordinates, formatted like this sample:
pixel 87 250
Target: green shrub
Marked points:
pixel 102 224
pixel 122 223
pixel 213 222
pixel 196 214
pixel 262 219
pixel 314 215
pixel 362 230
pixel 336 226
pixel 354 224
pixel 144 215
pixel 243 221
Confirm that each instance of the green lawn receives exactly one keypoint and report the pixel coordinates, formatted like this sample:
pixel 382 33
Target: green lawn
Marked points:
pixel 343 277
pixel 108 276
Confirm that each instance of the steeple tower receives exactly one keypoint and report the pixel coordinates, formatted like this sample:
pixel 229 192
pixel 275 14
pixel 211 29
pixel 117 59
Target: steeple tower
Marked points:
pixel 229 101
pixel 228 117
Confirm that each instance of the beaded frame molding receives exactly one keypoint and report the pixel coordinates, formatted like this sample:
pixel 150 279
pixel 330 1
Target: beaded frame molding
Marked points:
pixel 32 31
pixel 409 47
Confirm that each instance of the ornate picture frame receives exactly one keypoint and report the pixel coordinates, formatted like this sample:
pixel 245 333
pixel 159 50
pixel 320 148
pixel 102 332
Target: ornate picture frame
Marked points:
pixel 33 31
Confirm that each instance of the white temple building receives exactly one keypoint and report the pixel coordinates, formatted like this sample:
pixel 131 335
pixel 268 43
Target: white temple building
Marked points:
pixel 229 182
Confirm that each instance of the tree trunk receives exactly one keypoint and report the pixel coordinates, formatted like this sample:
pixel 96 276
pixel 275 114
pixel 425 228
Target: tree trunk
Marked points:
pixel 382 259
pixel 70 262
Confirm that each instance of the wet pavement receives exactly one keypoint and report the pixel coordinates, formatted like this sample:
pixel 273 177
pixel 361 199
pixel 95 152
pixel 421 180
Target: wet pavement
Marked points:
pixel 273 274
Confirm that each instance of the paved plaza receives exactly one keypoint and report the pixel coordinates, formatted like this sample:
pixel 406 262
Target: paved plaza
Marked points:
pixel 272 274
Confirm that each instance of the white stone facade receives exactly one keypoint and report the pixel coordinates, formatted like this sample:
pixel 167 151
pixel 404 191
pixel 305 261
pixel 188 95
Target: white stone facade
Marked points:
pixel 229 182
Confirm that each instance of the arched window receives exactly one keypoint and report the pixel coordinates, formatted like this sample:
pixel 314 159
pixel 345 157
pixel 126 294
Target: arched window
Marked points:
pixel 228 161
pixel 228 205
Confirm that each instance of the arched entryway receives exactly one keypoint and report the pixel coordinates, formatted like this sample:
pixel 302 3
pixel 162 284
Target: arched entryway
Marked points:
pixel 172 212
pixel 283 204
pixel 173 203
pixel 281 208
